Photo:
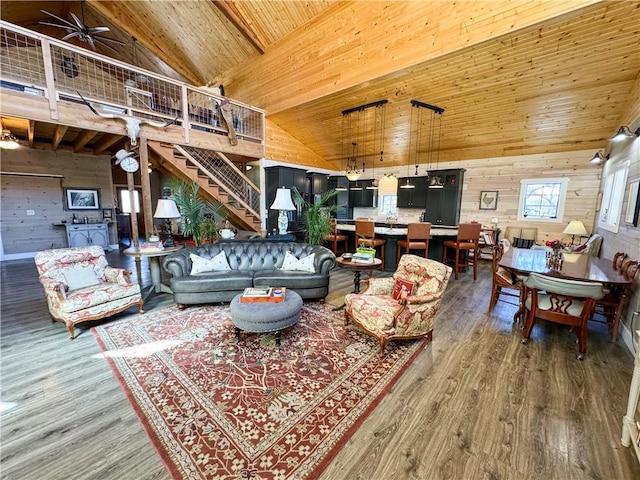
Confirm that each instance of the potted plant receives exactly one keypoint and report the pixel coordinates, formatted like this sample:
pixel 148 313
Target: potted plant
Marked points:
pixel 199 215
pixel 316 215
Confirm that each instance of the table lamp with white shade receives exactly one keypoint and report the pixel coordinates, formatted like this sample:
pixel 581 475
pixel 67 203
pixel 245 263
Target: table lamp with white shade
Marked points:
pixel 168 210
pixel 283 203
pixel 575 227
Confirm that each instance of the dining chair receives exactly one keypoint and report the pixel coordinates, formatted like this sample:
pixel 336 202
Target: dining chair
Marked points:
pixel 366 235
pixel 465 247
pixel 334 238
pixel 503 279
pixel 417 239
pixel 559 300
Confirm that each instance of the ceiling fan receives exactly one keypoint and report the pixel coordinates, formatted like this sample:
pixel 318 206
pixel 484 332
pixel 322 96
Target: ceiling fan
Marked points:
pixel 79 29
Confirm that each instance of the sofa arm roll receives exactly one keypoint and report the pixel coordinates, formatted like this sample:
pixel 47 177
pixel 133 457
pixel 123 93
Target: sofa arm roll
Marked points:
pixel 178 263
pixel 325 259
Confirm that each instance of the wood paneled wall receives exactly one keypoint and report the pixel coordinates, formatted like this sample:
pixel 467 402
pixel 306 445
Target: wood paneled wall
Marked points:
pixel 22 233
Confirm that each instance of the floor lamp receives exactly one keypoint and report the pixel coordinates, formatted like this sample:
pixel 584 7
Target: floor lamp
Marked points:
pixel 168 210
pixel 283 203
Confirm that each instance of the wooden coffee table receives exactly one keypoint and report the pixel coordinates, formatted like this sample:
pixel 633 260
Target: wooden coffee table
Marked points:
pixel 356 268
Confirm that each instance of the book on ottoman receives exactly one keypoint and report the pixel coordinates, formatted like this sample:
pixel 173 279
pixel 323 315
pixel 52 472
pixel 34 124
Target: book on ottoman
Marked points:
pixel 263 294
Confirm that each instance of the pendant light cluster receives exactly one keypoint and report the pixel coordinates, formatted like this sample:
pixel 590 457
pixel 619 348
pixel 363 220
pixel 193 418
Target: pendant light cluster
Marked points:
pixel 363 137
pixel 424 117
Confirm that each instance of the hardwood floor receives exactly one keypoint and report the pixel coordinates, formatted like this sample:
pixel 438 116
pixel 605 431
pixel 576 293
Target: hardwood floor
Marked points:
pixel 475 404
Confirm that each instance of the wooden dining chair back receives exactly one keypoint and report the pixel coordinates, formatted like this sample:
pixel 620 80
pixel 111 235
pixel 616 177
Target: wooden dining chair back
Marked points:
pixel 366 235
pixel 334 238
pixel 559 300
pixel 465 248
pixel 417 239
pixel 504 283
pixel 618 260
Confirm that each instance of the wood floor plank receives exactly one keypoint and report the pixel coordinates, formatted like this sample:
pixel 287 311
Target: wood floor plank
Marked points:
pixel 475 404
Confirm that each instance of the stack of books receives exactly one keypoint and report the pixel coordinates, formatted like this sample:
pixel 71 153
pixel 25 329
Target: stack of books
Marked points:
pixel 151 246
pixel 364 255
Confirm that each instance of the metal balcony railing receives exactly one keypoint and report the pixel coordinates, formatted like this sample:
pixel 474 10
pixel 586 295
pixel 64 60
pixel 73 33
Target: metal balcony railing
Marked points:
pixel 34 63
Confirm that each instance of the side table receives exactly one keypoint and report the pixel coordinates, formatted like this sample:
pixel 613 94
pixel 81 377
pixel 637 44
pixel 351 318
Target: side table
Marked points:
pixel 356 268
pixel 154 256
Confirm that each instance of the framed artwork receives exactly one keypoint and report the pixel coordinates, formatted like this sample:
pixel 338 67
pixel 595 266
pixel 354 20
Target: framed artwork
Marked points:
pixel 633 203
pixel 107 214
pixel 488 200
pixel 82 198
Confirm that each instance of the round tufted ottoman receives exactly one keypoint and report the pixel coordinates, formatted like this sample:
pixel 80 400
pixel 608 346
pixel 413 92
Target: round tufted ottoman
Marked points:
pixel 263 317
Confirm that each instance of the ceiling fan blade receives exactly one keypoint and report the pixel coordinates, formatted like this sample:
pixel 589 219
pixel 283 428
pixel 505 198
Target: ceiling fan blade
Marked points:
pixel 56 25
pixel 75 33
pixel 91 42
pixel 79 24
pixel 66 22
pixel 71 35
pixel 97 40
pixel 101 38
pixel 93 30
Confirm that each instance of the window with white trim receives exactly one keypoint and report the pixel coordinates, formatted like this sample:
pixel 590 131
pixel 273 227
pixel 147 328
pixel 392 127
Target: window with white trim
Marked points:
pixel 612 198
pixel 542 199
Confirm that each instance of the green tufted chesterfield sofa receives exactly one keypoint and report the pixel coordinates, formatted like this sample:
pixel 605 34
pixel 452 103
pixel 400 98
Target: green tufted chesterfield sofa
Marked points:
pixel 253 263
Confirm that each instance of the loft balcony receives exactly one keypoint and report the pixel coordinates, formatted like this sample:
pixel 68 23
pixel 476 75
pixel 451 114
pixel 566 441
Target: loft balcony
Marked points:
pixel 42 79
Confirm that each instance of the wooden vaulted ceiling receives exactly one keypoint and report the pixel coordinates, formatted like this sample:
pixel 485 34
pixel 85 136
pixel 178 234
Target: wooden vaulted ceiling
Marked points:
pixel 514 77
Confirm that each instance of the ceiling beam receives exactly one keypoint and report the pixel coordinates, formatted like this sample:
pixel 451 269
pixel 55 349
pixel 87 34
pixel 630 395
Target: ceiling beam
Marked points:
pixel 122 15
pixel 230 11
pixel 360 51
pixel 105 142
pixel 82 139
pixel 31 130
pixel 58 136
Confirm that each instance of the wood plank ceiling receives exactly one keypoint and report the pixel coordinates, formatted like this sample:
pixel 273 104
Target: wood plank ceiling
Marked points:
pixel 514 78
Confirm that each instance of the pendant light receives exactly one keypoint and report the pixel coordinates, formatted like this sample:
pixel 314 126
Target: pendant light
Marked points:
pixel 414 131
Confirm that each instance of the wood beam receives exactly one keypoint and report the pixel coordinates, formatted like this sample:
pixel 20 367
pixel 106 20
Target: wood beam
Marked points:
pixel 147 207
pixel 23 105
pixel 82 139
pixel 422 31
pixel 105 142
pixel 58 136
pixel 31 129
pixel 235 17
pixel 125 18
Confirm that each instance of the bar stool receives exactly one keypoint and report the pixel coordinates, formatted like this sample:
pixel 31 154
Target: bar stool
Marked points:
pixel 333 238
pixel 467 243
pixel 366 235
pixel 417 239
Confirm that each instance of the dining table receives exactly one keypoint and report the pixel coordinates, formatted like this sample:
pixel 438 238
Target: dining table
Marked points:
pixel 574 266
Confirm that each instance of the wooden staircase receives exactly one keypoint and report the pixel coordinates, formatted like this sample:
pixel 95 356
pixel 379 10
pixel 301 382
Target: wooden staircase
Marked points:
pixel 217 177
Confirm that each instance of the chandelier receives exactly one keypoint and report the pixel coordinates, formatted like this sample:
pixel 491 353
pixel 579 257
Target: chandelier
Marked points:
pixel 363 128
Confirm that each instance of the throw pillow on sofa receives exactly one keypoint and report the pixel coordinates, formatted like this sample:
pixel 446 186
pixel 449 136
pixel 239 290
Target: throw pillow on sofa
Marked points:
pixel 200 264
pixel 305 264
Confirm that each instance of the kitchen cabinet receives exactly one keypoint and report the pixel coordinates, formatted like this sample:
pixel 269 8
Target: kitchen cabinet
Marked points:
pixel 630 431
pixel 360 196
pixel 278 177
pixel 443 204
pixel 82 235
pixel 341 184
pixel 413 197
pixel 318 184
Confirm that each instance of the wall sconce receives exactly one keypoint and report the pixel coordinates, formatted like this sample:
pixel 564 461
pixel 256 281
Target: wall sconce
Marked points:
pixel 625 132
pixel 599 158
pixel 494 222
pixel 283 203
pixel 8 141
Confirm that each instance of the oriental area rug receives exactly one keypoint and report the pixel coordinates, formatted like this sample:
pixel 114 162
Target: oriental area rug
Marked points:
pixel 218 408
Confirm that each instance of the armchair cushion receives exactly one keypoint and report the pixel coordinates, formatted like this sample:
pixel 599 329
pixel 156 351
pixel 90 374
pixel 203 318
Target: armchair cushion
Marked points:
pixel 402 289
pixel 80 277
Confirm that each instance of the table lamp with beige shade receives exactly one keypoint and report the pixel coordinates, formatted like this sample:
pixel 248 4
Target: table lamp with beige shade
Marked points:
pixel 575 227
pixel 168 210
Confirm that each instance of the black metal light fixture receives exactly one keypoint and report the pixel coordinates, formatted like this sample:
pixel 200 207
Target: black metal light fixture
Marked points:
pixel 434 181
pixel 625 132
pixel 599 158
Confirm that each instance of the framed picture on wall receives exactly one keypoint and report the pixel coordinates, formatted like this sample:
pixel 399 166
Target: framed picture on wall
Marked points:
pixel 107 213
pixel 488 200
pixel 82 198
pixel 633 203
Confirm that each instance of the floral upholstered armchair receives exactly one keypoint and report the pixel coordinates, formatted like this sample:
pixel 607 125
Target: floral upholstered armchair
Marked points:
pixel 80 286
pixel 403 306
